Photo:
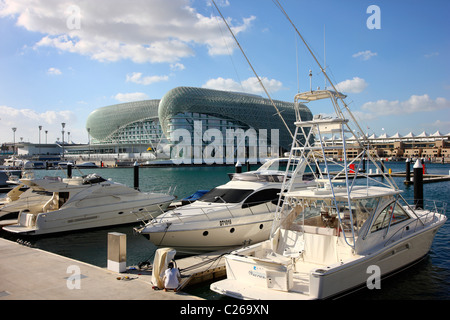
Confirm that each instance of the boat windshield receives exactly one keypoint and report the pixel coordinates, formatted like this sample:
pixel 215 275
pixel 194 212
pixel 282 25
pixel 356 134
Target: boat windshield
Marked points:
pixel 323 213
pixel 219 195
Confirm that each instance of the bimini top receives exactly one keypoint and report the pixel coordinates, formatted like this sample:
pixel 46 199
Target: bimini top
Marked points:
pixel 103 122
pixel 250 110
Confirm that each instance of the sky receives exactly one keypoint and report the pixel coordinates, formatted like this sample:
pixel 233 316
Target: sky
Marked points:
pixel 62 59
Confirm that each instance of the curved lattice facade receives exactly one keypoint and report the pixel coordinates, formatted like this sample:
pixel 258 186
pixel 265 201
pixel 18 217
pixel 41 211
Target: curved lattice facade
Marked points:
pixel 132 122
pixel 182 105
pixel 133 126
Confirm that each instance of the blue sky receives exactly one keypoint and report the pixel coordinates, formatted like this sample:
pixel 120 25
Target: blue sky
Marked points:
pixel 62 59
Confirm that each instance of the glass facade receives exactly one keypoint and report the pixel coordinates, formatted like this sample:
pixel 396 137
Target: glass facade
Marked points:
pixel 138 126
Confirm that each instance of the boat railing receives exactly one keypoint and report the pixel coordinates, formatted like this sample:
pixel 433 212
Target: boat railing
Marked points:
pixel 145 215
pixel 252 208
pixel 435 211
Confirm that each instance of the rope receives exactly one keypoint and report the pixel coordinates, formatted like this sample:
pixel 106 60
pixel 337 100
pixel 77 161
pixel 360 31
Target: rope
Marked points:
pixel 203 263
pixel 251 66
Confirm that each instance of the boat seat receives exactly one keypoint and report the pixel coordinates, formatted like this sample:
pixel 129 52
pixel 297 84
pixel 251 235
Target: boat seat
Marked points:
pixel 290 243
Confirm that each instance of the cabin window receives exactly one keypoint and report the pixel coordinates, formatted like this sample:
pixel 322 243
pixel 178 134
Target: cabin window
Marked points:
pixel 392 214
pixel 262 196
pixel 219 195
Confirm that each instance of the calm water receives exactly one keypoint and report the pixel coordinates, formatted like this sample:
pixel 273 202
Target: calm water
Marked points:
pixel 429 279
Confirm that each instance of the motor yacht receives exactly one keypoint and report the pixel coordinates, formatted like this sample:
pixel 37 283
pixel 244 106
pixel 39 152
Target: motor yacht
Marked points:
pixel 54 204
pixel 237 213
pixel 337 236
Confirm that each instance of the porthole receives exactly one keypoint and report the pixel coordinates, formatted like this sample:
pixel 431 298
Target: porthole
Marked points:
pixel 231 230
pixel 261 226
pixel 121 212
pixel 140 209
pixel 205 233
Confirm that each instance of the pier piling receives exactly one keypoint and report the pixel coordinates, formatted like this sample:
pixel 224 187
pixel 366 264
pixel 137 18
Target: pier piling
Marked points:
pixel 418 184
pixel 69 170
pixel 238 167
pixel 408 171
pixel 136 175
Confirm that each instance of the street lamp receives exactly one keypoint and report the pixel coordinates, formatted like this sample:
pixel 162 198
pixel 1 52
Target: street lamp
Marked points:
pixel 40 128
pixel 46 131
pixel 62 131
pixel 14 141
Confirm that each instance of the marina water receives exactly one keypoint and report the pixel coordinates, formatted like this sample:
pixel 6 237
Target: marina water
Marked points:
pixel 429 279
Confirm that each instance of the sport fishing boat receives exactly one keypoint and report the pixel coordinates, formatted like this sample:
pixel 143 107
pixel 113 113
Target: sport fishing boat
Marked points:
pixel 54 204
pixel 237 213
pixel 329 239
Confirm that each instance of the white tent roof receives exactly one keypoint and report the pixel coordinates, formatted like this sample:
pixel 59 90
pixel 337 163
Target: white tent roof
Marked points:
pixel 397 135
pixel 437 134
pixel 423 134
pixel 410 135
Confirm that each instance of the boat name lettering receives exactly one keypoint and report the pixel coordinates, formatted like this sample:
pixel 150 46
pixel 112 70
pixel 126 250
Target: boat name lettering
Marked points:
pixel 226 222
pixel 257 274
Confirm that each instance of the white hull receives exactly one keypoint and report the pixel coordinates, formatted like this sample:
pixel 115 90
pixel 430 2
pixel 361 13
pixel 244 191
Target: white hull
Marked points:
pixel 249 278
pixel 70 219
pixel 216 234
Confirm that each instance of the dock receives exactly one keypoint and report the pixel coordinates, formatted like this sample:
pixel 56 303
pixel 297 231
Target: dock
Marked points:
pixel 33 274
pixel 427 178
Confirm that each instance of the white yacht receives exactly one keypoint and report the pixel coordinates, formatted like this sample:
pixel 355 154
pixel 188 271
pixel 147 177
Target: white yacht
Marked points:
pixel 53 204
pixel 333 237
pixel 237 213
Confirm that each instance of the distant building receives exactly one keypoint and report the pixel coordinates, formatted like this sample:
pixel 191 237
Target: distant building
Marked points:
pixel 424 145
pixel 150 127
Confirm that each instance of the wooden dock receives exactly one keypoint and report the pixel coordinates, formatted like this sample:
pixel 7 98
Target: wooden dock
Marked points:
pixel 427 178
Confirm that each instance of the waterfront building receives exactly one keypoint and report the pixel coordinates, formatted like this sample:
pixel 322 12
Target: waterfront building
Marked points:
pixel 148 129
pixel 430 146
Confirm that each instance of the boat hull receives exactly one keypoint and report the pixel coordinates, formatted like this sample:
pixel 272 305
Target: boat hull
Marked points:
pixel 249 279
pixel 214 235
pixel 71 219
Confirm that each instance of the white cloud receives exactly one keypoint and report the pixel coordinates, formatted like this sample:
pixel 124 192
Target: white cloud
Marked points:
pixel 414 104
pixel 365 55
pixel 432 54
pixel 177 66
pixel 220 3
pixel 136 77
pixel 27 122
pixel 128 97
pixel 250 85
pixel 355 85
pixel 112 30
pixel 443 126
pixel 54 72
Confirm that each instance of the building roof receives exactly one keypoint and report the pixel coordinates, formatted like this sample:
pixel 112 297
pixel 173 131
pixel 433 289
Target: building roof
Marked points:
pixel 250 110
pixel 104 122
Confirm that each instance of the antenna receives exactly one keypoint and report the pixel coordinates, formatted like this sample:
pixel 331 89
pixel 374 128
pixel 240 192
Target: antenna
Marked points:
pixel 324 57
pixel 251 66
pixel 296 55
